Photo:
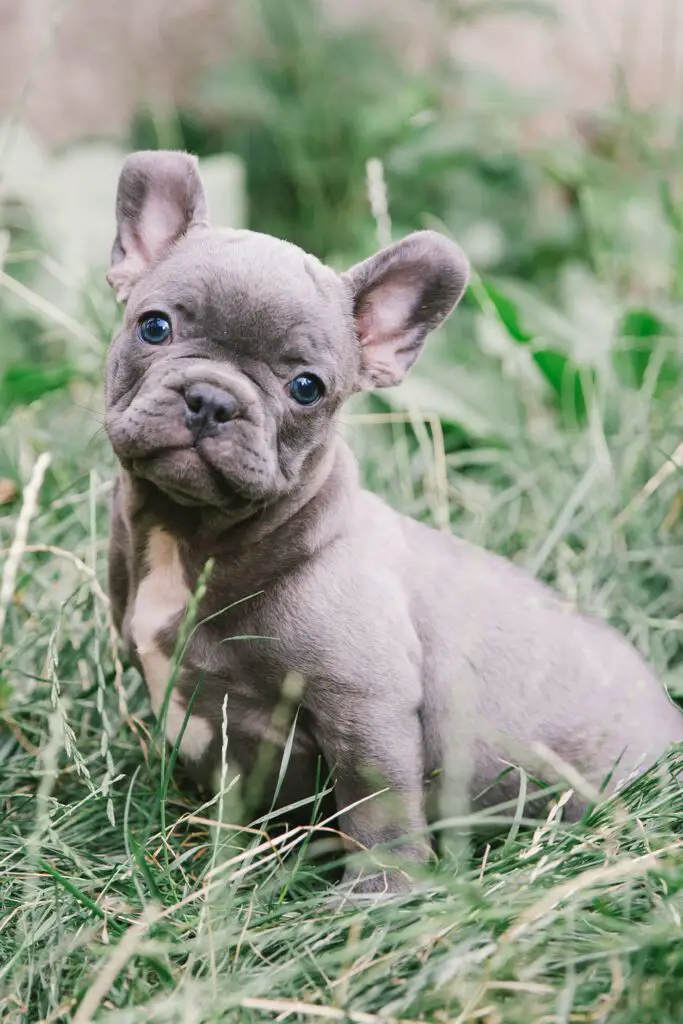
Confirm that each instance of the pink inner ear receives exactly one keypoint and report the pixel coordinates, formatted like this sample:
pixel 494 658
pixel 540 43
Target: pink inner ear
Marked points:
pixel 383 325
pixel 384 313
pixel 160 224
pixel 143 243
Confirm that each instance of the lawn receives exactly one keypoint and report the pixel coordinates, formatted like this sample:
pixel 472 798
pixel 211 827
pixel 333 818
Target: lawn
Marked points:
pixel 544 422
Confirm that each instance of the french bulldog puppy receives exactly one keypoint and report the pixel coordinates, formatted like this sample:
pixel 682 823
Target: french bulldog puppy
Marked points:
pixel 425 664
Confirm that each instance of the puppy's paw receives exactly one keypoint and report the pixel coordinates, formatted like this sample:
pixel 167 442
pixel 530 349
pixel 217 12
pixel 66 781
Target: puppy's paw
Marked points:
pixel 368 888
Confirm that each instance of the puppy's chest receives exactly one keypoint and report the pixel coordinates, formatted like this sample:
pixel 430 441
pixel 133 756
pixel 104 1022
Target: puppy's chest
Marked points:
pixel 162 600
pixel 214 666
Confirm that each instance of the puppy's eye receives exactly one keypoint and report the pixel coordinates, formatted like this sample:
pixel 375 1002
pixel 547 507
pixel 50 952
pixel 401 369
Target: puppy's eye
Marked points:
pixel 154 329
pixel 306 389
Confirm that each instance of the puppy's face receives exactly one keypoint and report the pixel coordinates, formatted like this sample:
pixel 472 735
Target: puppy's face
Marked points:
pixel 236 352
pixel 238 349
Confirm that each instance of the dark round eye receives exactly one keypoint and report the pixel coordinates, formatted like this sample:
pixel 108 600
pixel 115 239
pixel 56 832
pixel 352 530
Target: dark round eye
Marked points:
pixel 154 329
pixel 306 389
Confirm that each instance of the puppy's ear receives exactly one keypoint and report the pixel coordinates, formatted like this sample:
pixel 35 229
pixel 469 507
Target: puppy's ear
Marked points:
pixel 160 196
pixel 399 296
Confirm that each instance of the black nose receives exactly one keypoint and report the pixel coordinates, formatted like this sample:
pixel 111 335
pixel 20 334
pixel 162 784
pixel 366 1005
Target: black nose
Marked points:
pixel 208 408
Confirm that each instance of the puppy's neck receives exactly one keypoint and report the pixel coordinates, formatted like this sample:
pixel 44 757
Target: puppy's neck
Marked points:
pixel 305 519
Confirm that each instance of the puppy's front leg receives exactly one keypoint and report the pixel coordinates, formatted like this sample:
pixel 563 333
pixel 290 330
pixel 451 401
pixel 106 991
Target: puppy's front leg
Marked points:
pixel 375 754
pixel 119 553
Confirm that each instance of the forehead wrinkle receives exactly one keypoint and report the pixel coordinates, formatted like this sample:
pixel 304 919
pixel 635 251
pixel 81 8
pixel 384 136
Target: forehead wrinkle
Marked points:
pixel 304 352
pixel 253 303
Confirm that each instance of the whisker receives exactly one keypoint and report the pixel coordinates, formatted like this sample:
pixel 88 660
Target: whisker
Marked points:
pixel 95 413
pixel 95 438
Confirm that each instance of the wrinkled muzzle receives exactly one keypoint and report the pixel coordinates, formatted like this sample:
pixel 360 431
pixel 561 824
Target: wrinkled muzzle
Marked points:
pixel 201 434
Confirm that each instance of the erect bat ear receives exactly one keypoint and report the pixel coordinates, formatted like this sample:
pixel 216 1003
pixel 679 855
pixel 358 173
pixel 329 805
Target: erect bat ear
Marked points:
pixel 399 296
pixel 160 196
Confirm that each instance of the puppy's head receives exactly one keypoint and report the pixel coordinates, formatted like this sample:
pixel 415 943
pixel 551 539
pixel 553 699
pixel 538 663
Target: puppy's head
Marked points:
pixel 237 349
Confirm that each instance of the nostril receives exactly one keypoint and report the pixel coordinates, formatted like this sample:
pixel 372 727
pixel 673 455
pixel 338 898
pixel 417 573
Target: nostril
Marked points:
pixel 193 402
pixel 223 413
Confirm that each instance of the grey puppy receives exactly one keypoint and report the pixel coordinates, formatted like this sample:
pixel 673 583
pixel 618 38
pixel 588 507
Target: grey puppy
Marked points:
pixel 421 657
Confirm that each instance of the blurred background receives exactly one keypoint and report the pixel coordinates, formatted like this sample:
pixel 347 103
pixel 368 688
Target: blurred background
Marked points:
pixel 546 137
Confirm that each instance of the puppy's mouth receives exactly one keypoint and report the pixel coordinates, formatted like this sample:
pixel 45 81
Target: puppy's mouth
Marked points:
pixel 185 475
pixel 175 491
